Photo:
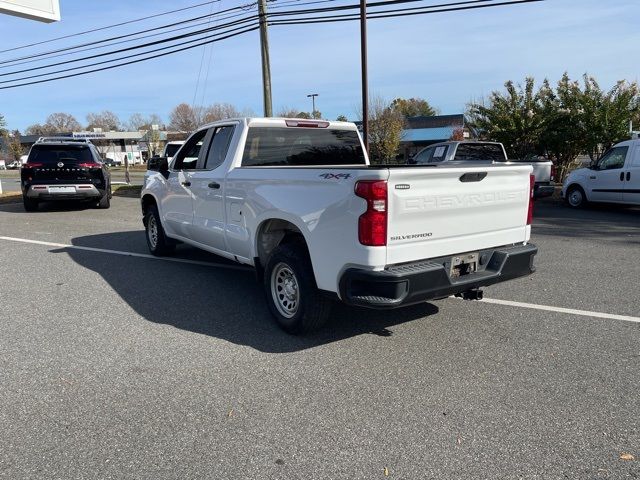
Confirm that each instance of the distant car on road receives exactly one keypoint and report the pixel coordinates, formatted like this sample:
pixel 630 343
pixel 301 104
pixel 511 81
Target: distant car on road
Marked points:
pixel 614 178
pixel 60 168
pixel 490 153
pixel 14 165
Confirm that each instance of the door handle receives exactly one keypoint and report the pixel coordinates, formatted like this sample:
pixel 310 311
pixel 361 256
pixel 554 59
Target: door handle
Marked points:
pixel 592 177
pixel 628 176
pixel 186 184
pixel 622 176
pixel 214 185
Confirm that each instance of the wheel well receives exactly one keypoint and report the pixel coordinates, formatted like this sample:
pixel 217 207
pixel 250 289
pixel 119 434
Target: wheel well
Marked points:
pixel 273 233
pixel 579 187
pixel 147 201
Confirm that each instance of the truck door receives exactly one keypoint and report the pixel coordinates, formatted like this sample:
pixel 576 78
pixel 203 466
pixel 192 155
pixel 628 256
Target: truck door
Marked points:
pixel 632 177
pixel 606 182
pixel 177 205
pixel 207 187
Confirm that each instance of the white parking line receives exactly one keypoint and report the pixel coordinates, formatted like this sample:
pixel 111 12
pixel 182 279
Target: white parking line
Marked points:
pixel 126 254
pixel 571 311
pixel 495 301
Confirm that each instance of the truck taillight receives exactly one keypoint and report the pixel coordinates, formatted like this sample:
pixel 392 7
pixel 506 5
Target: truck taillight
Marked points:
pixel 372 224
pixel 532 186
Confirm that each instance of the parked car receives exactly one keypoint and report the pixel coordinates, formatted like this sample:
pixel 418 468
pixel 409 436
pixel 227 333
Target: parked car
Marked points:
pixel 298 200
pixel 614 178
pixel 110 162
pixel 13 165
pixel 488 152
pixel 62 169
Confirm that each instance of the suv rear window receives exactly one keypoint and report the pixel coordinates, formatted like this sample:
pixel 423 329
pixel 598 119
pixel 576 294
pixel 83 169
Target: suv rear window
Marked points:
pixel 294 146
pixel 480 151
pixel 52 154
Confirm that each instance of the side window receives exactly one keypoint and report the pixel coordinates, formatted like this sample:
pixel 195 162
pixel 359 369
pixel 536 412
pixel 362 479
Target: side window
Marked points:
pixel 187 158
pixel 219 147
pixel 424 156
pixel 613 159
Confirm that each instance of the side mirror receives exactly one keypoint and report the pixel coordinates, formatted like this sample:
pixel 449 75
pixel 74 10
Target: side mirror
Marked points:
pixel 159 164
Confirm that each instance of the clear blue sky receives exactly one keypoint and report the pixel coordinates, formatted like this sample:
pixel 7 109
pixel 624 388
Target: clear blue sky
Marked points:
pixel 447 58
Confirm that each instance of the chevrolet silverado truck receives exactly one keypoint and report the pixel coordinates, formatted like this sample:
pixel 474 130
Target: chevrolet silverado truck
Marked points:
pixel 488 152
pixel 298 200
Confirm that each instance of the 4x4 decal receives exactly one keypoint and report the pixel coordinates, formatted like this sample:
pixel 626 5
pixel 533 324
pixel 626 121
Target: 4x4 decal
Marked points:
pixel 335 176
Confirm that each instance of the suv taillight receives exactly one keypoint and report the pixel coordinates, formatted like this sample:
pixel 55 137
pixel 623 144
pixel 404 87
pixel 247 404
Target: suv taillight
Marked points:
pixel 89 165
pixel 33 165
pixel 532 186
pixel 372 224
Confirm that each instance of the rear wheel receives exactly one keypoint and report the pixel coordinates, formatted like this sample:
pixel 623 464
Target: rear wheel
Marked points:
pixel 30 204
pixel 105 200
pixel 292 295
pixel 576 197
pixel 158 243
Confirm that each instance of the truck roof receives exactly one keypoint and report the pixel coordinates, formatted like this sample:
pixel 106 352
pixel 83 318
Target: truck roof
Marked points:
pixel 286 122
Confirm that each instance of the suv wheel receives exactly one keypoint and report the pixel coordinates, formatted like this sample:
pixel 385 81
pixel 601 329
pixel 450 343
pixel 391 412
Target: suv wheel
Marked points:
pixel 576 197
pixel 158 243
pixel 291 291
pixel 30 204
pixel 105 200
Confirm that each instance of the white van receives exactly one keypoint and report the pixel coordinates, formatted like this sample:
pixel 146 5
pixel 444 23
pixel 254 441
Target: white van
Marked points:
pixel 615 178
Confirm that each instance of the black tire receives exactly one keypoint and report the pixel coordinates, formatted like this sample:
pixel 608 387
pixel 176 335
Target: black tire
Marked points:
pixel 30 204
pixel 105 200
pixel 158 243
pixel 289 266
pixel 575 197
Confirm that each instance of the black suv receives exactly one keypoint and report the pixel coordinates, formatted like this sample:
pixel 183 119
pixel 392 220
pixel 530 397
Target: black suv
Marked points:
pixel 64 169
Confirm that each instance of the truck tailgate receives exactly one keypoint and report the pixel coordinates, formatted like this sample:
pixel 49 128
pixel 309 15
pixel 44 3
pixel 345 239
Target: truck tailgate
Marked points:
pixel 434 212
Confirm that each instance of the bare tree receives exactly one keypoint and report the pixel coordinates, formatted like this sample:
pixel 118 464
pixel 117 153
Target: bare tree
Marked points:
pixel 106 120
pixel 61 122
pixel 139 122
pixel 184 118
pixel 219 111
pixel 385 130
pixel 288 112
pixel 14 145
pixel 38 129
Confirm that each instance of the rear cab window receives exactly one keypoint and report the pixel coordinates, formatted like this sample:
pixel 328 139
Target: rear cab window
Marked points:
pixel 301 147
pixel 480 151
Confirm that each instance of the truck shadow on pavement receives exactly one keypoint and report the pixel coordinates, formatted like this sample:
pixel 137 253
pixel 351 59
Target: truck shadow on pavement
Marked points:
pixel 216 301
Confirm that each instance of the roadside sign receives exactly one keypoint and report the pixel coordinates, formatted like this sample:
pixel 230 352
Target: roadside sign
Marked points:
pixel 41 10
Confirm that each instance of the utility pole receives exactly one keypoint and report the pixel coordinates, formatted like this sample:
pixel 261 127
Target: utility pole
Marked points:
pixel 313 102
pixel 266 65
pixel 365 88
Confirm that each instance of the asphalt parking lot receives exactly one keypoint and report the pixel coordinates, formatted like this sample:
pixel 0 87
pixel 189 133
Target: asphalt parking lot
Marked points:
pixel 123 366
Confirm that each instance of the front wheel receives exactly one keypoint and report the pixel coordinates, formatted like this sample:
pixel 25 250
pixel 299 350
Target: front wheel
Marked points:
pixel 290 287
pixel 158 243
pixel 576 197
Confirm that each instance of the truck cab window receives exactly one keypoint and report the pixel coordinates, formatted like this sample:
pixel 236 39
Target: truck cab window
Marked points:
pixel 187 158
pixel 613 159
pixel 219 146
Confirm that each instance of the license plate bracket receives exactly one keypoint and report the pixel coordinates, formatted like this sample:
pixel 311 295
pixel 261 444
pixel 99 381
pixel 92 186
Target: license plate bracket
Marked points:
pixel 465 264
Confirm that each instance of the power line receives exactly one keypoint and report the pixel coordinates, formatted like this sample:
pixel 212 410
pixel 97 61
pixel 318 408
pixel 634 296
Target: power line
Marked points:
pixel 132 61
pixel 128 22
pixel 162 27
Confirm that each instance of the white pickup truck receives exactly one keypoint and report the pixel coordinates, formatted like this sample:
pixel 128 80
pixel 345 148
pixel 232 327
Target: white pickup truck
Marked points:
pixel 488 152
pixel 298 200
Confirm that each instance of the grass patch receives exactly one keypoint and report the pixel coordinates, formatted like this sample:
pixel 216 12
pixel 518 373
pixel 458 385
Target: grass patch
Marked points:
pixel 132 191
pixel 10 197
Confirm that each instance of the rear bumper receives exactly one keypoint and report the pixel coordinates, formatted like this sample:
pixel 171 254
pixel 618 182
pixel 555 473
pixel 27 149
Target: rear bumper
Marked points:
pixel 542 191
pixel 49 192
pixel 409 283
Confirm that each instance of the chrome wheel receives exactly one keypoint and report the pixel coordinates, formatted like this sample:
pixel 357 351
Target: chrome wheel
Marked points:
pixel 152 231
pixel 575 198
pixel 284 290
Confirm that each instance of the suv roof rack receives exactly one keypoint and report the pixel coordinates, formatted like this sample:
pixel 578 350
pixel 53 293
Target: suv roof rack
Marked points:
pixel 62 140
